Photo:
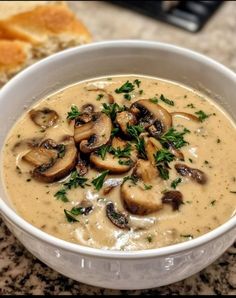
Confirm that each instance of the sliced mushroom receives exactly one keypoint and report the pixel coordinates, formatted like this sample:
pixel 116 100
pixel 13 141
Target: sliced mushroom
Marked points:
pixel 156 129
pixel 44 118
pixel 174 198
pixel 40 155
pixel 93 134
pixel 125 118
pixel 176 152
pixel 186 116
pixel 152 146
pixel 145 171
pixel 60 167
pixel 195 174
pixel 81 166
pixel 148 113
pixel 111 163
pixel 26 144
pixel 136 199
pixel 110 184
pixel 118 219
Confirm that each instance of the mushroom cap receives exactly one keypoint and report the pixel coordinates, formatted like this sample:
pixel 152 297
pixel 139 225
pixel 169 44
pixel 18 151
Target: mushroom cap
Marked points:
pixel 93 134
pixel 151 112
pixel 61 167
pixel 139 201
pixel 125 118
pixel 44 118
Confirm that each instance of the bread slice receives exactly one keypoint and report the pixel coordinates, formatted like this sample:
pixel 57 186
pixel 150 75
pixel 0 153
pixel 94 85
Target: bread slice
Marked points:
pixel 14 55
pixel 39 28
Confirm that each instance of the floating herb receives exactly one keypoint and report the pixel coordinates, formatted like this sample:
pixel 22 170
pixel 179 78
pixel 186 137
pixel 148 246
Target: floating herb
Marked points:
pixel 74 113
pixel 62 195
pixel 164 155
pixel 175 137
pixel 99 180
pixel 137 82
pixel 102 151
pixel 202 115
pixel 147 187
pixel 154 99
pixel 166 100
pixel 99 97
pixel 111 110
pixel 175 182
pixel 125 88
pixel 69 216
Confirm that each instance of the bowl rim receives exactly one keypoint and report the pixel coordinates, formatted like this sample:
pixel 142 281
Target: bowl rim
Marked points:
pixel 17 220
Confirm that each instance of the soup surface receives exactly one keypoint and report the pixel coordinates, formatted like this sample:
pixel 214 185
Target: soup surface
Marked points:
pixel 123 163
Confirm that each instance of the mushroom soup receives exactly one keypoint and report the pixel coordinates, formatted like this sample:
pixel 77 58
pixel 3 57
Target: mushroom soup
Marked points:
pixel 123 163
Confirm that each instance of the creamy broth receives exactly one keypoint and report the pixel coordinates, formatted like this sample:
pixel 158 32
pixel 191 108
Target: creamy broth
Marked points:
pixel 210 147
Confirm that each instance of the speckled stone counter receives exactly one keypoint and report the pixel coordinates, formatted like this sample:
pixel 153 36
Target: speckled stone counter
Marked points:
pixel 20 272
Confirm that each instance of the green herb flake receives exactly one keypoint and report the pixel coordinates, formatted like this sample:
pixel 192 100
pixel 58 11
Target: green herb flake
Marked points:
pixel 175 137
pixel 133 179
pixel 201 115
pixel 175 182
pixel 115 131
pixel 118 152
pixel 137 82
pixel 154 99
pixel 163 171
pixel 61 195
pixel 140 92
pixel 127 96
pixel 74 113
pixel 69 216
pixel 99 97
pixel 77 210
pixel 112 109
pixel 190 105
pixel 134 131
pixel 125 162
pixel 99 180
pixel 213 202
pixel 75 181
pixel 102 151
pixel 166 100
pixel 147 187
pixel 125 88
pixel 190 159
pixel 164 155
pixel 149 238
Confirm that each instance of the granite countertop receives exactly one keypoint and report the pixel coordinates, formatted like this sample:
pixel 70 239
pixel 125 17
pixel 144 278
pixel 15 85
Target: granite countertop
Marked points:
pixel 20 272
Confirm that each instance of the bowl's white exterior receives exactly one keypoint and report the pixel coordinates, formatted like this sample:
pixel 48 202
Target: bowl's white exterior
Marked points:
pixel 111 269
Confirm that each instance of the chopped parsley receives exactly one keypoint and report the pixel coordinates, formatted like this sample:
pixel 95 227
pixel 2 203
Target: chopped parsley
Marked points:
pixel 134 131
pixel 118 152
pixel 115 131
pixel 70 216
pixel 62 195
pixel 163 171
pixel 154 99
pixel 112 109
pixel 61 148
pixel 175 137
pixel 127 96
pixel 125 162
pixel 149 238
pixel 74 113
pixel 187 236
pixel 190 105
pixel 125 88
pixel 74 181
pixel 175 182
pixel 99 180
pixel 166 100
pixel 164 155
pixel 134 179
pixel 140 92
pixel 99 97
pixel 213 202
pixel 137 82
pixel 201 115
pixel 147 187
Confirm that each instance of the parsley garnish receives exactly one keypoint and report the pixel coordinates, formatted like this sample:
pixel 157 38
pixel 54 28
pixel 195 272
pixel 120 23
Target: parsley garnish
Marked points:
pixel 61 195
pixel 147 187
pixel 69 216
pixel 154 99
pixel 125 88
pixel 164 155
pixel 190 105
pixel 164 173
pixel 149 238
pixel 134 131
pixel 127 96
pixel 61 148
pixel 74 182
pixel 166 100
pixel 201 115
pixel 134 179
pixel 175 137
pixel 118 152
pixel 102 151
pixel 100 96
pixel 111 110
pixel 137 82
pixel 213 202
pixel 175 182
pixel 125 162
pixel 74 113
pixel 187 236
pixel 99 180
pixel 115 131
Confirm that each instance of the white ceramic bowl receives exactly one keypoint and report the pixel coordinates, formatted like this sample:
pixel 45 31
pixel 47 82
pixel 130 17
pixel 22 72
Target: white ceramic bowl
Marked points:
pixel 117 269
